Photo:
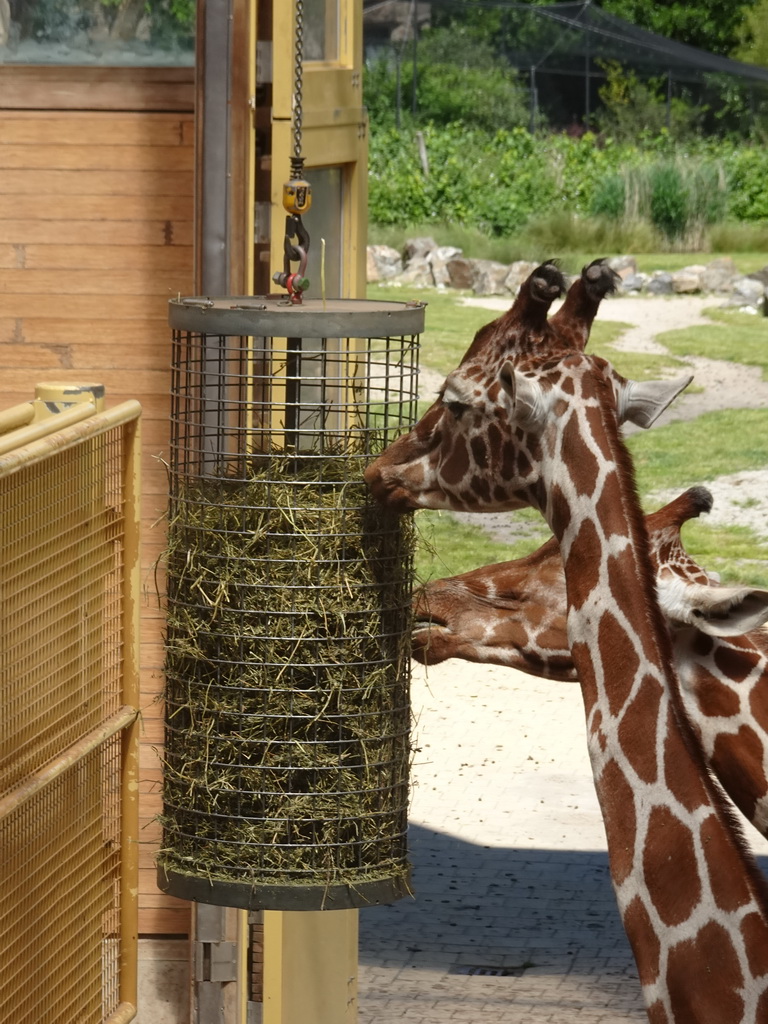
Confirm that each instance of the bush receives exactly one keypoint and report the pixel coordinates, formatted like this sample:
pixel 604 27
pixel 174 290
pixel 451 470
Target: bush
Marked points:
pixel 498 181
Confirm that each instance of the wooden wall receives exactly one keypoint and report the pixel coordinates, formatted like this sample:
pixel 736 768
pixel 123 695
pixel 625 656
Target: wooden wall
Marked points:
pixel 95 236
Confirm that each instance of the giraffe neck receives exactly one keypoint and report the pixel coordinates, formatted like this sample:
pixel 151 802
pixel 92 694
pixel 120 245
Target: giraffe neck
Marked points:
pixel 688 893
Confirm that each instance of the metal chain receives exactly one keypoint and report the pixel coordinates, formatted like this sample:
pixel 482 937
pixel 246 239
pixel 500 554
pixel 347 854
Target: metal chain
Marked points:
pixel 298 71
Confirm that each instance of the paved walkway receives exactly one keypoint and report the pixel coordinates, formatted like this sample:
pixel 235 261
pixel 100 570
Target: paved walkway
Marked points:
pixel 510 868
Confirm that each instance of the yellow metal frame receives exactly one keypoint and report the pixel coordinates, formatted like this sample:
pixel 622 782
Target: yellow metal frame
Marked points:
pixel 334 132
pixel 31 455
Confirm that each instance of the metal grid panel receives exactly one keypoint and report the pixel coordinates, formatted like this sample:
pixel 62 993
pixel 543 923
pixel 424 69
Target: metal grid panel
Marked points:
pixel 61 575
pixel 60 897
pixel 68 721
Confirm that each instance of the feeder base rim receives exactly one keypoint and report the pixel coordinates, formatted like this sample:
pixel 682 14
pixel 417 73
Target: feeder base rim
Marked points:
pixel 254 896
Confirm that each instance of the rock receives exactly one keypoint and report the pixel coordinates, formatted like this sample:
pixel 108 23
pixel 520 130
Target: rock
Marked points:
pixel 718 275
pixel 747 293
pixel 382 263
pixel 660 283
pixel 633 284
pixel 418 248
pixel 461 272
pixel 624 266
pixel 418 272
pixel 438 259
pixel 489 277
pixel 688 280
pixel 518 271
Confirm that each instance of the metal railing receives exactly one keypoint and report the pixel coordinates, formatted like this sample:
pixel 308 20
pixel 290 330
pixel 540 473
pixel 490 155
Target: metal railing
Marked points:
pixel 69 697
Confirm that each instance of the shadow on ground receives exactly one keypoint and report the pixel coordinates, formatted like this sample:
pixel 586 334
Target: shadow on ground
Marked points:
pixel 500 908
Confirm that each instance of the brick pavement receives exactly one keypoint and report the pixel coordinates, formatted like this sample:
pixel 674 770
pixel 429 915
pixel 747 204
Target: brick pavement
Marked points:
pixel 510 867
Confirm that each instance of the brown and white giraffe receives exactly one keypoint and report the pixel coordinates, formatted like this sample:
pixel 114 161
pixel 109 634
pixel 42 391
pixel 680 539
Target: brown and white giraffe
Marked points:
pixel 514 614
pixel 527 419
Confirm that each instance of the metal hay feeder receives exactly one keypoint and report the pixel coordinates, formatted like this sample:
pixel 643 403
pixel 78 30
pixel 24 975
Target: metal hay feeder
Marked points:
pixel 288 648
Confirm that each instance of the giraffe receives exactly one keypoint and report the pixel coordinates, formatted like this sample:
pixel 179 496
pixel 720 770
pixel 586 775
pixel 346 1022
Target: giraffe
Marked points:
pixel 529 420
pixel 513 613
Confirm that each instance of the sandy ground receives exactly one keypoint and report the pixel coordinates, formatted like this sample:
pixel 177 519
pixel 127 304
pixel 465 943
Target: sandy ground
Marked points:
pixel 740 498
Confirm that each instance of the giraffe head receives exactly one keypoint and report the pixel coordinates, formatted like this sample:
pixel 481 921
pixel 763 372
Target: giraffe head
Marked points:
pixel 514 613
pixel 523 396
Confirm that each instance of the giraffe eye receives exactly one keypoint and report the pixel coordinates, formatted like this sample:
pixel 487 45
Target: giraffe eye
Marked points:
pixel 456 408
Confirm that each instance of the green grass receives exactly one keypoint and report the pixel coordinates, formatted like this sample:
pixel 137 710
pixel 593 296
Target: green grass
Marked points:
pixel 736 337
pixel 447 546
pixel 691 452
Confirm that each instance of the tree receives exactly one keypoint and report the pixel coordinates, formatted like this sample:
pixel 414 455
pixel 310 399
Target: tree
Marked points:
pixel 708 24
pixel 753 35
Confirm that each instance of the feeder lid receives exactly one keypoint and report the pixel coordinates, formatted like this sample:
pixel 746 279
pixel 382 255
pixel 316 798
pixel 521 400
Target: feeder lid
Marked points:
pixel 276 316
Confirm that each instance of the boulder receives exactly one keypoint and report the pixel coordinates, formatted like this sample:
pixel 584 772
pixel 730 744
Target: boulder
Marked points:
pixel 624 266
pixel 418 248
pixel 633 284
pixel 518 272
pixel 461 272
pixel 418 272
pixel 382 263
pixel 489 277
pixel 718 275
pixel 748 294
pixel 688 280
pixel 438 259
pixel 660 283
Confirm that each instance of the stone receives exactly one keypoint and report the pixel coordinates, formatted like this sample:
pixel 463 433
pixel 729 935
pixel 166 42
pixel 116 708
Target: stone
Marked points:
pixel 633 284
pixel 382 263
pixel 624 266
pixel 489 277
pixel 688 280
pixel 418 248
pixel 418 272
pixel 718 275
pixel 438 259
pixel 747 293
pixel 461 272
pixel 518 271
pixel 660 283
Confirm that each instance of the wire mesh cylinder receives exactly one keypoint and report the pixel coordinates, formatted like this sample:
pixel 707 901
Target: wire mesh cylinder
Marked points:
pixel 288 642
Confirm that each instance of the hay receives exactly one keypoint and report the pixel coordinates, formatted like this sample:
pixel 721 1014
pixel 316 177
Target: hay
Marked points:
pixel 288 659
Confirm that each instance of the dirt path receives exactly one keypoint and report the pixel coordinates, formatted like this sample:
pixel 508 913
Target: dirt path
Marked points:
pixel 740 498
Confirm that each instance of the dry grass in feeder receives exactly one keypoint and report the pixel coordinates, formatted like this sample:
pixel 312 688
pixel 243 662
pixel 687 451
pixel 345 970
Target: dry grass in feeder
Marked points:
pixel 288 654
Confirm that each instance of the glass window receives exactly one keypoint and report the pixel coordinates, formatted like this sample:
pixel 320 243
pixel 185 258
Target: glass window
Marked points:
pixel 321 29
pixel 98 32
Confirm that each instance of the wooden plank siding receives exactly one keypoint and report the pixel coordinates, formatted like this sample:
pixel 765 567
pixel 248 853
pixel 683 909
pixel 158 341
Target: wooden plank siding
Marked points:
pixel 96 212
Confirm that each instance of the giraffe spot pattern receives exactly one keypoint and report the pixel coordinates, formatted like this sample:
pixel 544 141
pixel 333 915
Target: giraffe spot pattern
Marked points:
pixel 633 729
pixel 737 759
pixel 703 977
pixel 669 866
pixel 686 786
pixel 574 450
pixel 713 697
pixel 702 645
pixel 736 664
pixel 755 932
pixel 620 661
pixel 758 706
pixel 657 1014
pixel 728 880
pixel 644 940
pixel 580 567
pixel 617 802
pixel 454 469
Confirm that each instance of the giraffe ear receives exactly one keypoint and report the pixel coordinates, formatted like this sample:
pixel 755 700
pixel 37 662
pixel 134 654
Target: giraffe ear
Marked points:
pixel 642 402
pixel 525 392
pixel 719 611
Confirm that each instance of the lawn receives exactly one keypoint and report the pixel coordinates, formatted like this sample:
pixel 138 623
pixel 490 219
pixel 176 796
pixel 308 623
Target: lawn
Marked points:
pixel 671 457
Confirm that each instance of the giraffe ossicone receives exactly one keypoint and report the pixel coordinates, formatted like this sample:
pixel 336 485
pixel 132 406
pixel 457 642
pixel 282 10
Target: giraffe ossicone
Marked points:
pixel 689 894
